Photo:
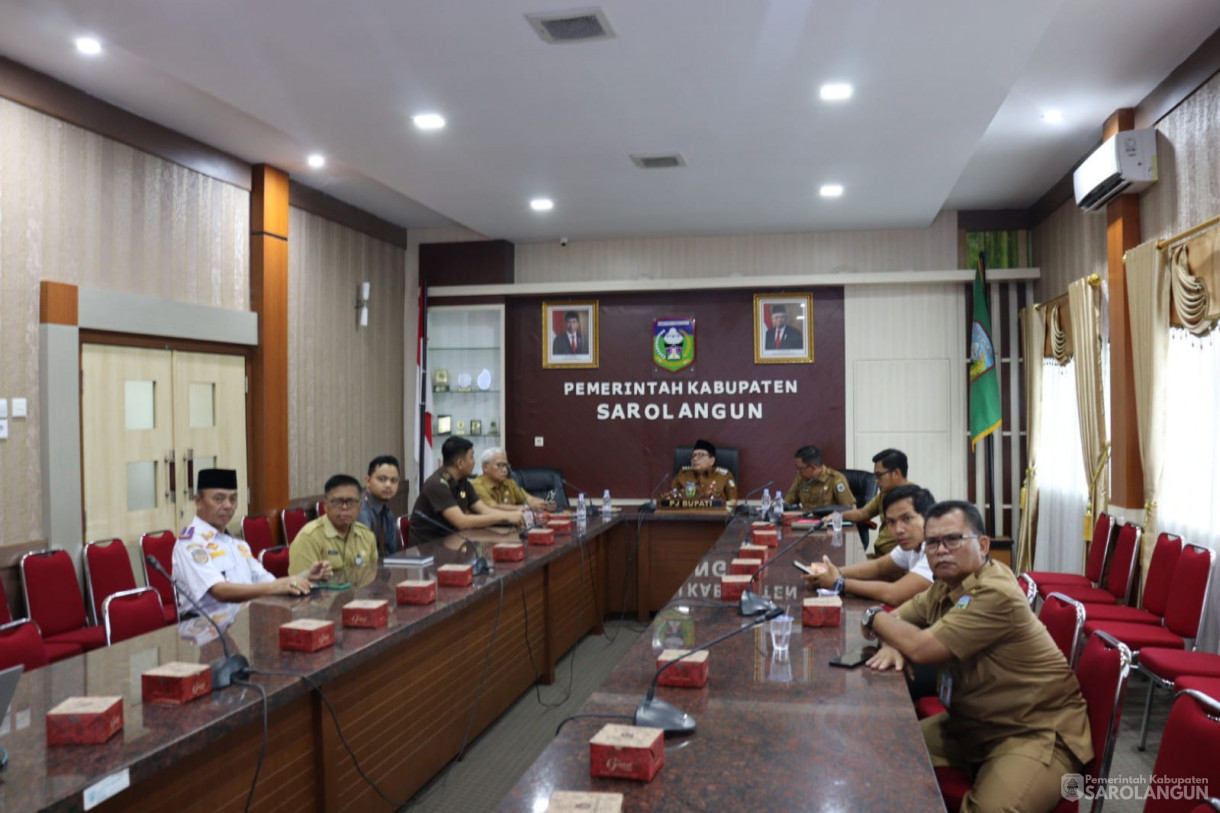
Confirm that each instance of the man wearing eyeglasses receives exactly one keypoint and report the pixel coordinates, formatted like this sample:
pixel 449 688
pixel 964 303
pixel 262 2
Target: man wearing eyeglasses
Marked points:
pixel 500 491
pixel 1016 721
pixel 817 484
pixel 450 501
pixel 890 470
pixel 703 479
pixel 336 537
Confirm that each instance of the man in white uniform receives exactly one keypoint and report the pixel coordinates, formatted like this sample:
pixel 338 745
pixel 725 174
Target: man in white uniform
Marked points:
pixel 219 571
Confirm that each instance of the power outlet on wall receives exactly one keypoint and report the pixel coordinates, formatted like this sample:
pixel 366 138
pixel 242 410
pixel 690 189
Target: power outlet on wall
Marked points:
pixel 537 440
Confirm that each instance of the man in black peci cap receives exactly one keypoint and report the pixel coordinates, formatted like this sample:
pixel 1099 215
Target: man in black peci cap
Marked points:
pixel 703 479
pixel 219 571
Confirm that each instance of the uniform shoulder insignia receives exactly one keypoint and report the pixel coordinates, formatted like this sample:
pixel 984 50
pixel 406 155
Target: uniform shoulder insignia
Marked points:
pixel 187 532
pixel 732 484
pixel 721 470
pixel 841 487
pixel 686 468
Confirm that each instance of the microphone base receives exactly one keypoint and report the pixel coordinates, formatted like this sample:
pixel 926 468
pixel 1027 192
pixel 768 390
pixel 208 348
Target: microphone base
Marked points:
pixel 480 567
pixel 754 604
pixel 228 668
pixel 659 714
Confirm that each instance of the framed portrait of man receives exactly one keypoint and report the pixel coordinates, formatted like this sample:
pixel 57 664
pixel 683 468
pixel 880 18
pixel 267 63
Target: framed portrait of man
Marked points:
pixel 570 334
pixel 783 328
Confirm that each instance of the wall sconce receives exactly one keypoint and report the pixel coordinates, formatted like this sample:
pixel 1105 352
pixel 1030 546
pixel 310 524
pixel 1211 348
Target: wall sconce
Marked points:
pixel 362 304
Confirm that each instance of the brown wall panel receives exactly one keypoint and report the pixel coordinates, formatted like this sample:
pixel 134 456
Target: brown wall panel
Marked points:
pixel 630 456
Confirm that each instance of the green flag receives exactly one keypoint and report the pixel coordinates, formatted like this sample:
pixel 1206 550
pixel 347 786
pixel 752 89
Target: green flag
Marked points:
pixel 985 413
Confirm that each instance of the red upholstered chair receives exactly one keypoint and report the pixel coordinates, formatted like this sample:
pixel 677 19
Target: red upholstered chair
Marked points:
pixel 1105 665
pixel 1188 752
pixel 1210 686
pixel 107 571
pixel 5 615
pixel 1095 564
pixel 256 531
pixel 320 508
pixel 160 546
pixel 54 600
pixel 55 652
pixel 275 560
pixel 1028 587
pixel 1063 618
pixel 132 612
pixel 293 520
pixel 404 528
pixel 1210 806
pixel 1156 588
pixel 1117 588
pixel 1164 667
pixel 21 645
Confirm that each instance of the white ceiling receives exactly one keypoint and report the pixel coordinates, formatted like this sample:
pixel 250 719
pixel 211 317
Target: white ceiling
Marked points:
pixel 946 112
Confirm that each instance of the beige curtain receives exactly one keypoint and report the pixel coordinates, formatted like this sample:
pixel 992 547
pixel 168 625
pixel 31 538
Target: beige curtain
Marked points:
pixel 1033 333
pixel 1148 294
pixel 1083 304
pixel 1189 294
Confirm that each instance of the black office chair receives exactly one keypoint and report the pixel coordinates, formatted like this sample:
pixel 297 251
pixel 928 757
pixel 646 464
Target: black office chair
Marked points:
pixel 725 458
pixel 539 481
pixel 863 487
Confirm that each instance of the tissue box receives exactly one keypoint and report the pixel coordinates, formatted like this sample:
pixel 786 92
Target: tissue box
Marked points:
pixel 732 586
pixel 176 682
pixel 510 551
pixel 744 567
pixel 560 526
pixel 763 525
pixel 583 801
pixel 455 575
pixel 307 635
pixel 85 720
pixel 627 752
pixel 688 673
pixel 767 537
pixel 824 611
pixel 367 613
pixel 791 516
pixel 760 552
pixel 415 591
pixel 541 536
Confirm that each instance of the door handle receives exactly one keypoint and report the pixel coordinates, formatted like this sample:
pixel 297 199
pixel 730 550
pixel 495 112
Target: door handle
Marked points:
pixel 171 469
pixel 188 490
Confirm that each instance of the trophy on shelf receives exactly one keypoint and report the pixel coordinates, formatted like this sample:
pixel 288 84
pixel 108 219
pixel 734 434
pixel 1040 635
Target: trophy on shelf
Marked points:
pixel 444 424
pixel 493 429
pixel 463 382
pixel 476 427
pixel 484 379
pixel 440 380
pixel 461 428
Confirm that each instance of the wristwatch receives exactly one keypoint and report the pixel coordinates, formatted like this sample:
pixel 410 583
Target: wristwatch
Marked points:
pixel 840 585
pixel 866 622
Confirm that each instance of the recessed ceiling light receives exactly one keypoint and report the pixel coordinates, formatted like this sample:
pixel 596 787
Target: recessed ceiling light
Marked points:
pixel 835 92
pixel 88 46
pixel 317 161
pixel 831 190
pixel 1052 116
pixel 429 121
pixel 542 204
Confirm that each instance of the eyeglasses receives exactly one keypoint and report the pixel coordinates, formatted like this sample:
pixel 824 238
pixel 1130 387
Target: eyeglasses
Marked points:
pixel 347 502
pixel 501 465
pixel 698 455
pixel 879 474
pixel 950 542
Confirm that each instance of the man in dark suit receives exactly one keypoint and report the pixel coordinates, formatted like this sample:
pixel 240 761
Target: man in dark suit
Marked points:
pixel 781 336
pixel 572 341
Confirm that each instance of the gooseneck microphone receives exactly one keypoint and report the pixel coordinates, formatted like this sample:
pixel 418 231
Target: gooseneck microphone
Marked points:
pixel 654 713
pixel 651 505
pixel 479 565
pixel 744 506
pixel 230 667
pixel 752 603
pixel 589 509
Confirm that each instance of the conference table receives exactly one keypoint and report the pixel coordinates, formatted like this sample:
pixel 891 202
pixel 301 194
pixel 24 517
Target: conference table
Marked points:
pixel 411 694
pixel 771 733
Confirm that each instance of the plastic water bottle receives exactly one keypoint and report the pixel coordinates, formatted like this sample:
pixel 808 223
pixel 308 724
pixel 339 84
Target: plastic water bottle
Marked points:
pixel 777 509
pixel 607 508
pixel 582 505
pixel 528 515
pixel 765 503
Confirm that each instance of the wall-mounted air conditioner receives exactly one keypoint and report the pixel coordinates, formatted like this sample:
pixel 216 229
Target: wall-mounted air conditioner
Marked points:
pixel 1125 164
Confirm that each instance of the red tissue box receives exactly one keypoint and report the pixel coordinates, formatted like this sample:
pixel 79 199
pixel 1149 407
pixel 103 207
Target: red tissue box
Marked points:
pixel 510 551
pixel 176 682
pixel 791 516
pixel 85 720
pixel 560 526
pixel 455 575
pixel 744 567
pixel 731 586
pixel 767 538
pixel 760 552
pixel 416 591
pixel 307 635
pixel 368 613
pixel 688 673
pixel 823 611
pixel 627 752
pixel 541 536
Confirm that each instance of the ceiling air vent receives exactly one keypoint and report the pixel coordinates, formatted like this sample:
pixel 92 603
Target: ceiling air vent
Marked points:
pixel 658 161
pixel 581 25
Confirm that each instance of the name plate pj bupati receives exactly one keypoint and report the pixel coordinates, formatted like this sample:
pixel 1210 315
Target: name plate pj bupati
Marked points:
pixel 683 502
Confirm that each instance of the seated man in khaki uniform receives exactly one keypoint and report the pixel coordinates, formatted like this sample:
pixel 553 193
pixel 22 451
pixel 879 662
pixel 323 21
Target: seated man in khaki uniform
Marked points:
pixel 816 484
pixel 703 479
pixel 498 490
pixel 1016 720
pixel 890 469
pixel 336 537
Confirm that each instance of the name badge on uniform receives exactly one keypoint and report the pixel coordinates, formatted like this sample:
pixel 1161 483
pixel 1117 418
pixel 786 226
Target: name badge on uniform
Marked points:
pixel 945 692
pixel 359 560
pixel 332 553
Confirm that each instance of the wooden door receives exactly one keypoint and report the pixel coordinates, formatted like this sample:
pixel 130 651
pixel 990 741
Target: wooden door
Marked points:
pixel 209 423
